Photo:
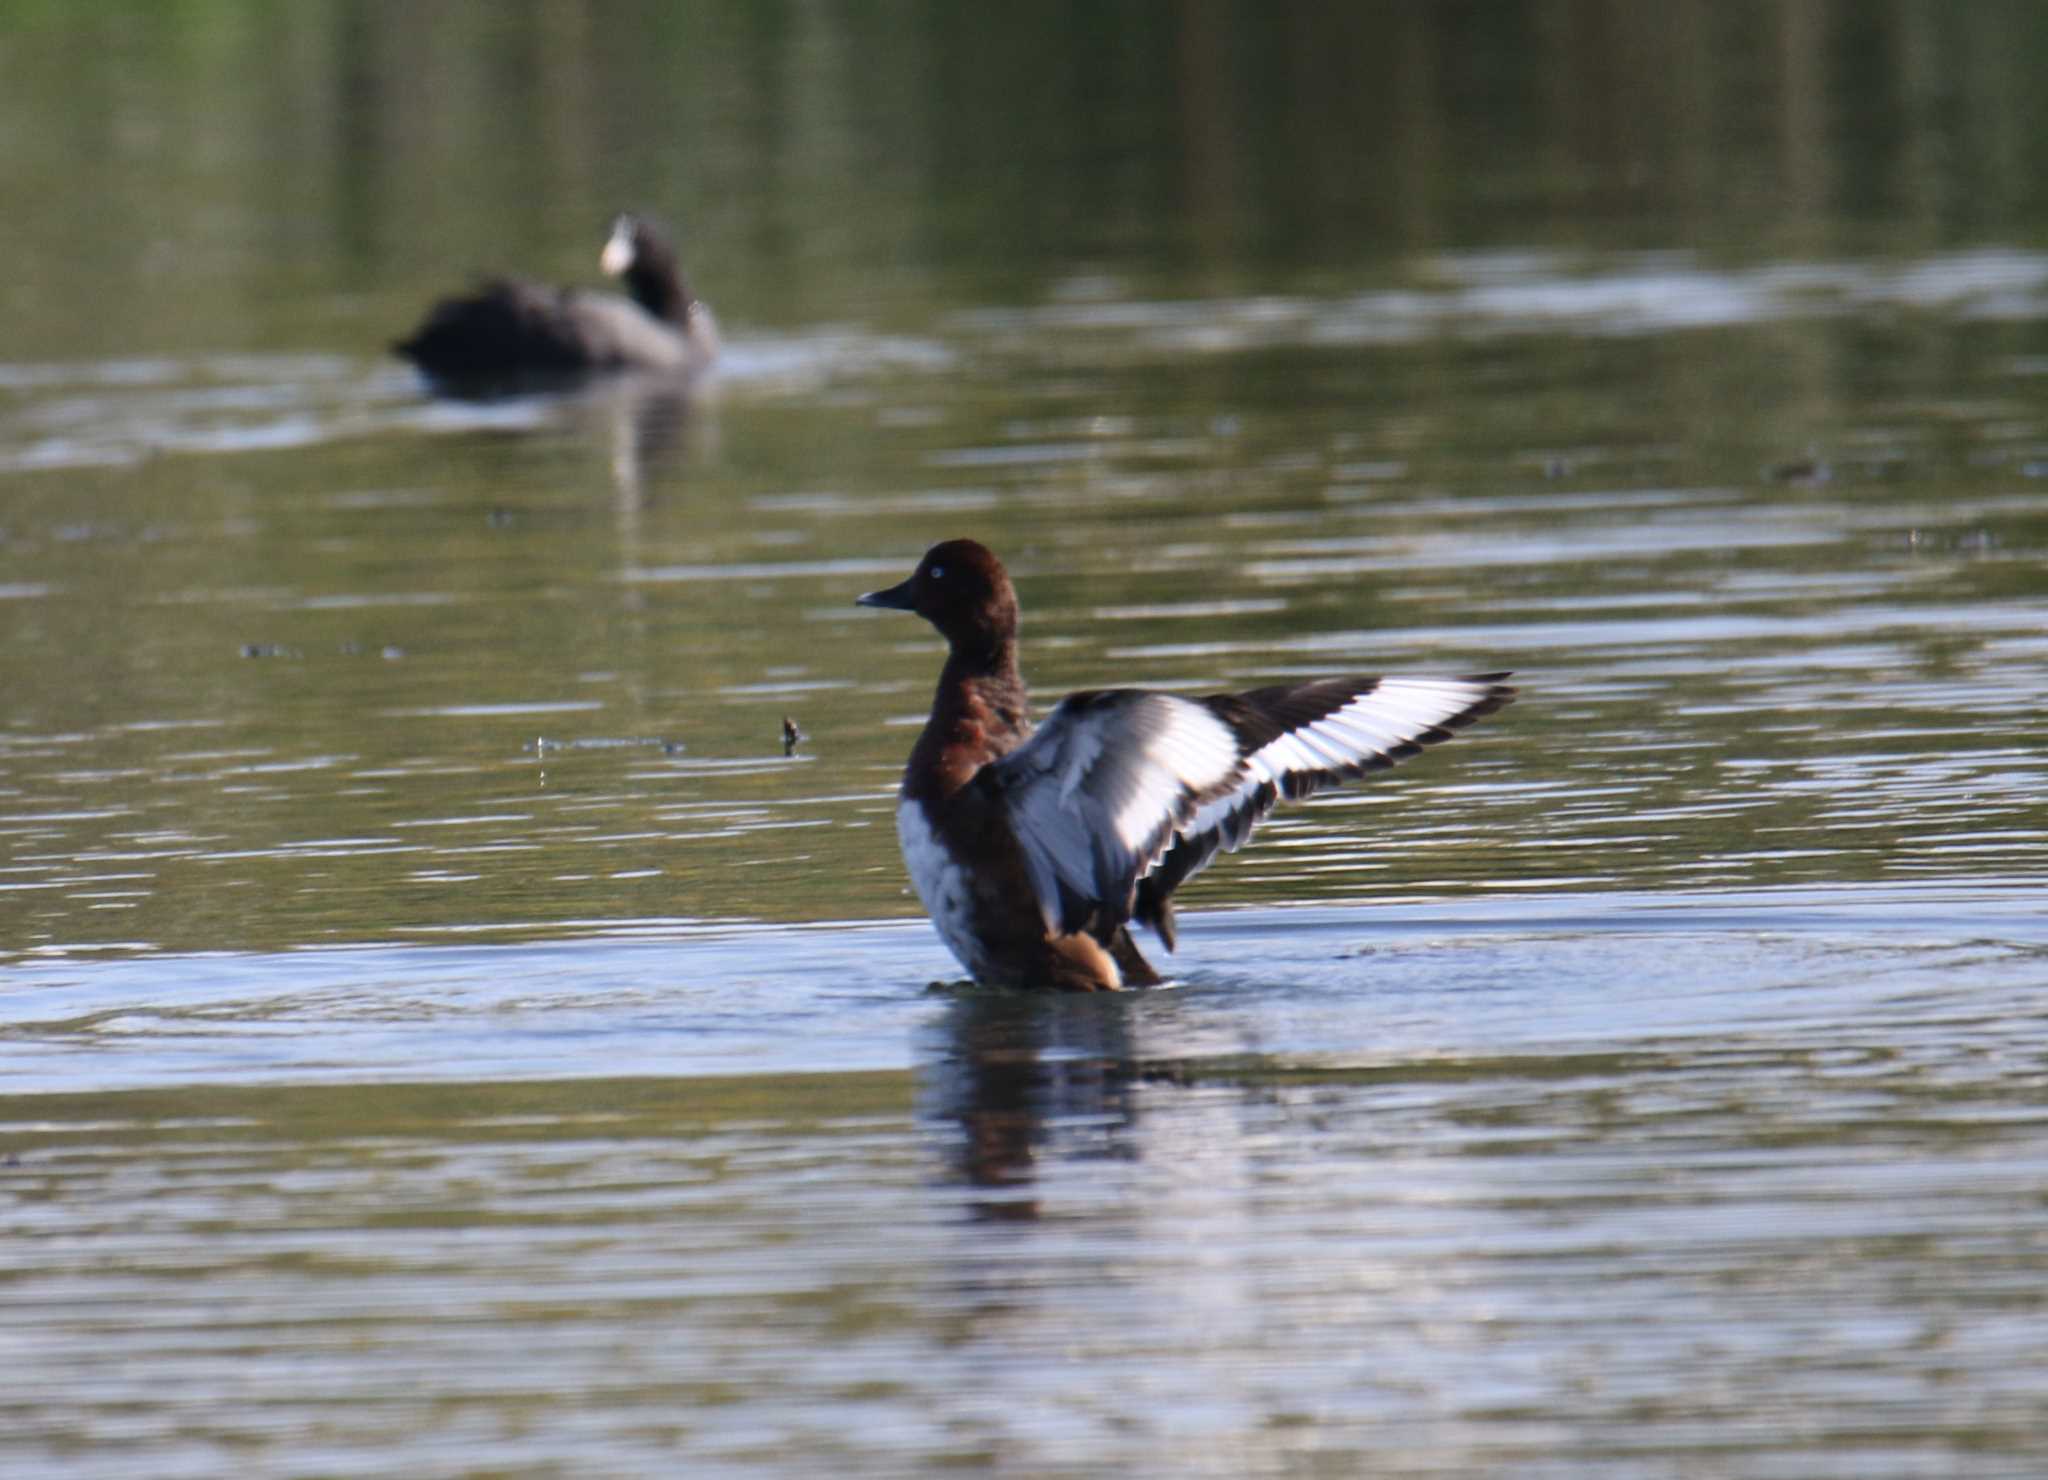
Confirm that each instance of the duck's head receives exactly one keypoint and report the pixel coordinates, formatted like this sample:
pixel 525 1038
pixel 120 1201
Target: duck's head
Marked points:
pixel 961 589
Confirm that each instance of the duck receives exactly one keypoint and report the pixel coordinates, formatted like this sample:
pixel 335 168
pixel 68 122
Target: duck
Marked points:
pixel 1036 847
pixel 511 330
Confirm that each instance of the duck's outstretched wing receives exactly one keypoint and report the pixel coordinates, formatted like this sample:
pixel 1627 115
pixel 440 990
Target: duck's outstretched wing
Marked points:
pixel 1122 794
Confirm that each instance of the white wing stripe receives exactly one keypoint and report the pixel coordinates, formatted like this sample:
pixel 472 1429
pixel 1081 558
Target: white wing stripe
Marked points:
pixel 1288 753
pixel 1368 733
pixel 1325 751
pixel 1364 735
pixel 1345 746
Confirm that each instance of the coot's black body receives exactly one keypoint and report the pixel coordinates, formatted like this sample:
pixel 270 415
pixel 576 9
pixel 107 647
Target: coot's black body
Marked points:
pixel 511 331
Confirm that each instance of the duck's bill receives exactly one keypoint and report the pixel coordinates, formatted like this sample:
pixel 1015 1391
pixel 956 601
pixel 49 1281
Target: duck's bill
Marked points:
pixel 896 598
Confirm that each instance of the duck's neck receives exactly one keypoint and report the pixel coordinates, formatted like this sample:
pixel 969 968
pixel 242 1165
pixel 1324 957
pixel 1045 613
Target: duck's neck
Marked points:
pixel 988 671
pixel 979 714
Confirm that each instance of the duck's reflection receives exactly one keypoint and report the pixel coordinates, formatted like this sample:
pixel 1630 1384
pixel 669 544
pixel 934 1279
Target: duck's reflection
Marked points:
pixel 1015 1078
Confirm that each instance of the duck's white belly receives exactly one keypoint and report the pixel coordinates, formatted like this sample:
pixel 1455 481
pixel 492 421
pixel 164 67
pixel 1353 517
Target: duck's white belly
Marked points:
pixel 940 882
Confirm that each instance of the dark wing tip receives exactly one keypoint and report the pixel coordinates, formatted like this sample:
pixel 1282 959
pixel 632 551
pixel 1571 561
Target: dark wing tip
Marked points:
pixel 1498 696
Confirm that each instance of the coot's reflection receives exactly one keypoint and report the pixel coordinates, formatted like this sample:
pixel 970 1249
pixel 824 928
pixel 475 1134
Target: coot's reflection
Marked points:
pixel 1014 1079
pixel 647 422
pixel 651 423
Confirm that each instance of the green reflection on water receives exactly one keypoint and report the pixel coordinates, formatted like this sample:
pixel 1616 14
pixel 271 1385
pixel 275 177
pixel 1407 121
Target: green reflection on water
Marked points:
pixel 475 1114
pixel 222 176
pixel 1203 333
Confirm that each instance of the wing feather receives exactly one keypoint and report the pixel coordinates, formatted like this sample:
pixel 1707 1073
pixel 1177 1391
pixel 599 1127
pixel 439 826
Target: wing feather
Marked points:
pixel 1123 794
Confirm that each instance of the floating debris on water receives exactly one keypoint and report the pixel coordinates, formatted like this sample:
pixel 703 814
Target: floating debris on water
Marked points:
pixel 1811 471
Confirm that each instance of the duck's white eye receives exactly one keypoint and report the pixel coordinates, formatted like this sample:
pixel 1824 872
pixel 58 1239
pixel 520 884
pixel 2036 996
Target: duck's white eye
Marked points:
pixel 938 572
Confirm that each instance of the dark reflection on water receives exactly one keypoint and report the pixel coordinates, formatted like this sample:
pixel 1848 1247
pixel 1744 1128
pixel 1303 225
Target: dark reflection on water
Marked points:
pixel 1024 1078
pixel 650 426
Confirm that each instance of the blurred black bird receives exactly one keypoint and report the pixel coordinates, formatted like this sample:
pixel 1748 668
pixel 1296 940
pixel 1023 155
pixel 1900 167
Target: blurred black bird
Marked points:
pixel 510 330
